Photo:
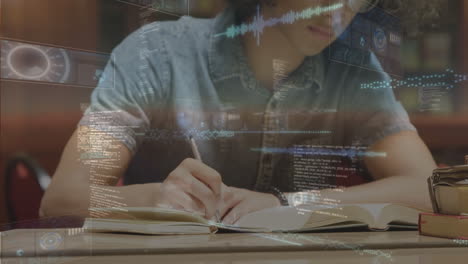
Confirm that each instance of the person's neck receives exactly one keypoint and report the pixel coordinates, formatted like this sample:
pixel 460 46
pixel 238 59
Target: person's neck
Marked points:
pixel 274 49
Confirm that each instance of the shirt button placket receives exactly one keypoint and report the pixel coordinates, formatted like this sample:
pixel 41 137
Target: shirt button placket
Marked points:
pixel 269 140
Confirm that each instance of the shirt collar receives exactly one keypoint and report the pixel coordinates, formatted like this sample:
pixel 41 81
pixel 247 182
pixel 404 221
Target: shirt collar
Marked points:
pixel 227 59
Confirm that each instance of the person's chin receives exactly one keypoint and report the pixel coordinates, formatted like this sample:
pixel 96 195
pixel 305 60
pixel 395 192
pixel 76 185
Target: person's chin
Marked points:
pixel 316 42
pixel 314 49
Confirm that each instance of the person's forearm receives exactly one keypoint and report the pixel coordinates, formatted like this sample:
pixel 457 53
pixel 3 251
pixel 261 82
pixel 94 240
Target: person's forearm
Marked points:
pixel 60 203
pixel 410 191
pixel 138 195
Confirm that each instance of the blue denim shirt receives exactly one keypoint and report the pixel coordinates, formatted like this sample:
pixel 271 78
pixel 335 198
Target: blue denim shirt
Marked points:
pixel 171 80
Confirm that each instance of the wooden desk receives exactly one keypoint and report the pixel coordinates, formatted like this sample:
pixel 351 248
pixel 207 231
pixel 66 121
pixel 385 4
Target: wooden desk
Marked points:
pixel 400 256
pixel 364 247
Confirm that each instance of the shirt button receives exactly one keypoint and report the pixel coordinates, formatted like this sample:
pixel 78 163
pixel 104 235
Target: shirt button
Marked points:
pixel 267 158
pixel 316 87
pixel 274 104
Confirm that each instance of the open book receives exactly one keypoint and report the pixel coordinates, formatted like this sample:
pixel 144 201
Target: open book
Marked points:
pixel 145 220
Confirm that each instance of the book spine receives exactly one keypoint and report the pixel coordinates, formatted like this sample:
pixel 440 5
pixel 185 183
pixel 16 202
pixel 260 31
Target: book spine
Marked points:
pixel 420 223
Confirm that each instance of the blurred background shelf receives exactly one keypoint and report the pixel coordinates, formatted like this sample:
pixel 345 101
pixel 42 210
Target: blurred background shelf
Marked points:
pixel 441 132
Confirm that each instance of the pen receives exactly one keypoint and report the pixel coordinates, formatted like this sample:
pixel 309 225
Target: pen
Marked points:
pixel 195 151
pixel 197 155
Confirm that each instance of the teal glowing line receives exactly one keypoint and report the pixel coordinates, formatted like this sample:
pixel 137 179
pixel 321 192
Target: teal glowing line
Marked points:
pixel 322 151
pixel 166 134
pixel 259 23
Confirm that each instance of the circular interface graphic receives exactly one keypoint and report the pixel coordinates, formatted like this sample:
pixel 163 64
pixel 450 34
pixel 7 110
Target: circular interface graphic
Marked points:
pixel 29 62
pixel 33 62
pixel 51 241
pixel 380 40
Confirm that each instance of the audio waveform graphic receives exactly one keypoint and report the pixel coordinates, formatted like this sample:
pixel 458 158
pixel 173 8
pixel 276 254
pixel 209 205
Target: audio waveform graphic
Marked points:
pixel 323 151
pixel 447 80
pixel 259 23
pixel 168 134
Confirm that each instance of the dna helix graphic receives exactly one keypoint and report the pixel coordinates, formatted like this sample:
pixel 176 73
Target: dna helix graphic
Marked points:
pixel 447 80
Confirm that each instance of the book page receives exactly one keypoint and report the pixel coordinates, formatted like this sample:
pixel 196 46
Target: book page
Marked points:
pixel 305 217
pixel 153 214
pixel 339 215
pixel 278 218
pixel 146 227
pixel 398 214
pixel 375 212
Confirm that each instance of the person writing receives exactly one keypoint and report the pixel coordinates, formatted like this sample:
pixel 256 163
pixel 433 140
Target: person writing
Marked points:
pixel 250 99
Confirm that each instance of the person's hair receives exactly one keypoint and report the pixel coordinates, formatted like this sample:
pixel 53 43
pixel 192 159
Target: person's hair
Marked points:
pixel 413 13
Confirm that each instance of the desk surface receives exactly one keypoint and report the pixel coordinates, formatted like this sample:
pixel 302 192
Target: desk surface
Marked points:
pixel 399 256
pixel 73 243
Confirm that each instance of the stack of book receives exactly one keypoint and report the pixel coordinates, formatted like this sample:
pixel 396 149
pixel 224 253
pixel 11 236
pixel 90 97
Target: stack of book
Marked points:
pixel 446 226
pixel 449 193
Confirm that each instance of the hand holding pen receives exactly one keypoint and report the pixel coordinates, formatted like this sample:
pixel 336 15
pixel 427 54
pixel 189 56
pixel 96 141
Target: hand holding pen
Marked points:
pixel 197 155
pixel 192 186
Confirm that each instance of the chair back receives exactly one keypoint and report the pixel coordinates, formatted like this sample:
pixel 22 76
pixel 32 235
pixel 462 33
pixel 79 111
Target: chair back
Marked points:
pixel 25 185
